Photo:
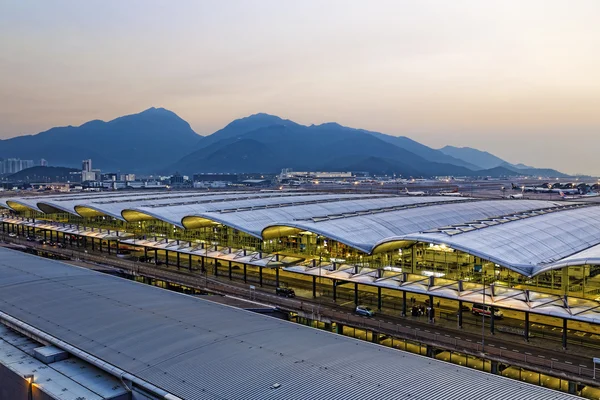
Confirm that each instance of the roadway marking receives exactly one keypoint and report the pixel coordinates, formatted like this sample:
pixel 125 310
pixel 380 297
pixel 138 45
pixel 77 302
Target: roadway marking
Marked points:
pixel 456 337
pixel 446 335
pixel 529 354
pixel 469 340
pixel 503 348
pixel 492 345
pixel 568 362
pixel 584 366
pixel 541 356
pixel 516 351
pixel 427 331
pixel 553 359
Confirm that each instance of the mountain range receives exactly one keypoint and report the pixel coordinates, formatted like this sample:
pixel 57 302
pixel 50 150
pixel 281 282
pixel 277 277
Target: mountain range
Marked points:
pixel 158 141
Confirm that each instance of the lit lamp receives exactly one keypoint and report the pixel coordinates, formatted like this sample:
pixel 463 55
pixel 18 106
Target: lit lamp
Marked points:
pixel 29 378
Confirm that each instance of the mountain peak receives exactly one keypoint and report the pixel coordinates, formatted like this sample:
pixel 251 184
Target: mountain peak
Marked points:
pixel 327 125
pixel 155 110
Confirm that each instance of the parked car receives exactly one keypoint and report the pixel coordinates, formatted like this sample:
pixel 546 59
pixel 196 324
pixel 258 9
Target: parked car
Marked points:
pixel 364 311
pixel 482 309
pixel 285 292
pixel 12 235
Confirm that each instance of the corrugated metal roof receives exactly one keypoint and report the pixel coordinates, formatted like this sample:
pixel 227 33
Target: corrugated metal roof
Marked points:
pixel 528 245
pixel 197 349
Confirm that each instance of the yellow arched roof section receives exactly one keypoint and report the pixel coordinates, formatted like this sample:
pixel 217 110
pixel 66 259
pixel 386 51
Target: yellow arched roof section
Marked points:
pixel 133 215
pixel 136 216
pixel 276 231
pixel 392 245
pixel 48 208
pixel 17 206
pixel 88 212
pixel 194 222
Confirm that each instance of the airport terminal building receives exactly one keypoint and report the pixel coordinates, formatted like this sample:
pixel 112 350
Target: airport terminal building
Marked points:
pixel 529 256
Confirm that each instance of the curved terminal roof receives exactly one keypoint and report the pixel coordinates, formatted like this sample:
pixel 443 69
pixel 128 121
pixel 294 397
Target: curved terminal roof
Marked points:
pixel 367 232
pixel 528 236
pixel 185 346
pixel 529 245
pixel 253 215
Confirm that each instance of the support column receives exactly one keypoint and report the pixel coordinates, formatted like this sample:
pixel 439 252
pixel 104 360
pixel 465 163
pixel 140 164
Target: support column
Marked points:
pixel 230 278
pixel 379 302
pixel 527 326
pixel 190 262
pixel 404 303
pixel 145 252
pixel 431 310
pixel 374 337
pixel 564 281
pixel 494 367
pixel 216 267
pixel 178 260
pixel 334 290
pixel 339 328
pixel 356 294
pixel 260 275
pixel 276 276
pixel 245 273
pixel 155 256
pixel 99 242
pixel 167 258
pixel 314 286
pixel 460 314
pixel 492 319
pixel 564 334
pixel 430 351
pixel 108 245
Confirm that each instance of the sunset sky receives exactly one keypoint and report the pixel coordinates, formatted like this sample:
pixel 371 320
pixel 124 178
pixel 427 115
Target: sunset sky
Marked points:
pixel 520 79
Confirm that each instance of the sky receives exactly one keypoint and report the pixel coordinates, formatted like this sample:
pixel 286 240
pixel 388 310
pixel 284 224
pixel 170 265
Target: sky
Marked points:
pixel 520 79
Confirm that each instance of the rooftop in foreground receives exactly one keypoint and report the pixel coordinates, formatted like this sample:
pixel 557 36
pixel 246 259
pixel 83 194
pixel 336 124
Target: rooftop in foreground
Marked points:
pixel 195 349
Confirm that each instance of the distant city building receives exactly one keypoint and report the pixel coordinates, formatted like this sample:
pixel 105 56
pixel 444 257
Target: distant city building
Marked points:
pixel 288 174
pixel 127 177
pixel 86 165
pixel 87 173
pixel 43 163
pixel 111 176
pixel 14 165
pixel 177 180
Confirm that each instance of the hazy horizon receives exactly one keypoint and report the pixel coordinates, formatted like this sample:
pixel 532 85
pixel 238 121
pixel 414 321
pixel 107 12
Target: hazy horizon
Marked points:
pixel 519 80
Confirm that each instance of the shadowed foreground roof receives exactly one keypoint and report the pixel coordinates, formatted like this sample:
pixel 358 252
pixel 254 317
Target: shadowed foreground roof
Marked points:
pixel 196 349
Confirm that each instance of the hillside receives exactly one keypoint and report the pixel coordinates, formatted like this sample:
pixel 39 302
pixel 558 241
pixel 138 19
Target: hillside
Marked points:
pixel 158 141
pixel 478 158
pixel 317 147
pixel 139 142
pixel 43 174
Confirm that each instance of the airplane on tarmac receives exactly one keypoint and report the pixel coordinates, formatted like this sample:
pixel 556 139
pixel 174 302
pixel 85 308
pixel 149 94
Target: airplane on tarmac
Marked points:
pixel 454 193
pixel 514 196
pixel 536 189
pixel 413 193
pixel 583 196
